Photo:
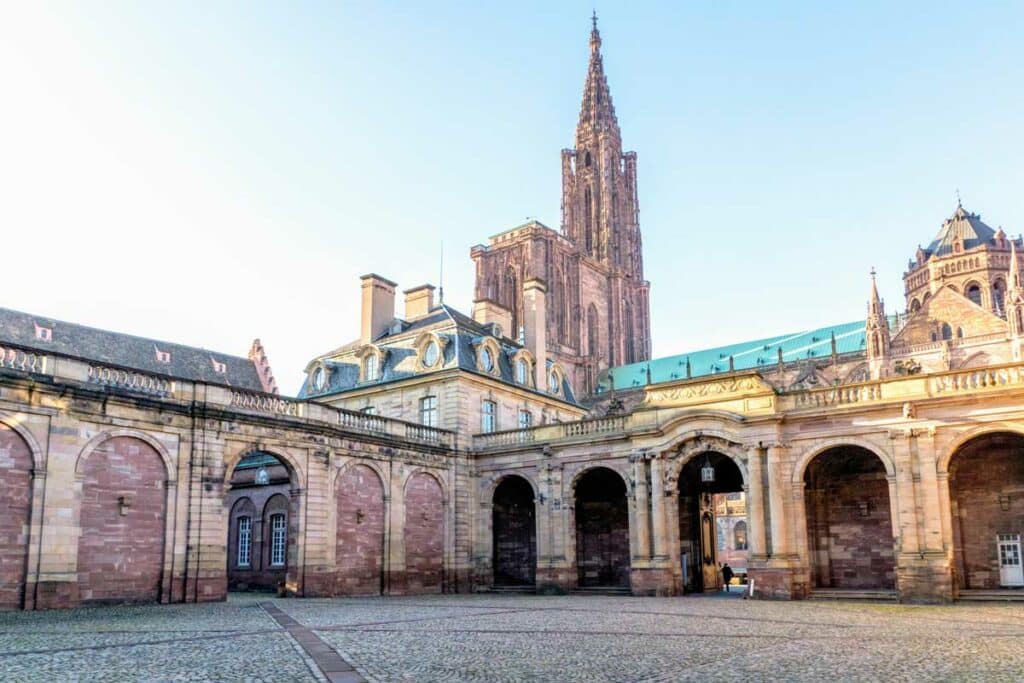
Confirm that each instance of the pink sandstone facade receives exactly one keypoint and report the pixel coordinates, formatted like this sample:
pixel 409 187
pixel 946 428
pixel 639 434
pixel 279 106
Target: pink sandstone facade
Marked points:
pixel 441 452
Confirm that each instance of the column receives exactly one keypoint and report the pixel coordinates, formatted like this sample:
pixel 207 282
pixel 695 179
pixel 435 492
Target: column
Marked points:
pixel 755 502
pixel 932 517
pixel 777 492
pixel 658 522
pixel 641 506
pixel 906 510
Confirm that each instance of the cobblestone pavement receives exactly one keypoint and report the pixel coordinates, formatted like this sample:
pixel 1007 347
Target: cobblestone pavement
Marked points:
pixel 515 638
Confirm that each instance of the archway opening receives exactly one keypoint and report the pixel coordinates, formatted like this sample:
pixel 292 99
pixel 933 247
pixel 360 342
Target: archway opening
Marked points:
pixel 986 490
pixel 123 523
pixel 15 500
pixel 602 529
pixel 359 548
pixel 849 520
pixel 515 533
pixel 261 524
pixel 711 505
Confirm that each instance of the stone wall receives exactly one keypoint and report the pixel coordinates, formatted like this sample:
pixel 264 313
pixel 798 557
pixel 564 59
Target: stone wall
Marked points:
pixel 424 535
pixel 360 542
pixel 15 500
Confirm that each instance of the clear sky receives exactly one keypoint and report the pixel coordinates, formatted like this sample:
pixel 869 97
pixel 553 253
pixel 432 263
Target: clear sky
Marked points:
pixel 215 172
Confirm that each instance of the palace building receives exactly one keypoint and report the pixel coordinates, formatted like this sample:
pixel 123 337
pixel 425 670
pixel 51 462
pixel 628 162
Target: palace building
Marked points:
pixel 533 443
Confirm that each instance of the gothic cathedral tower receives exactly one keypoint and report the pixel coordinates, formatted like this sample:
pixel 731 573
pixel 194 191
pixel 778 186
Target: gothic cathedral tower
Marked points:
pixel 597 310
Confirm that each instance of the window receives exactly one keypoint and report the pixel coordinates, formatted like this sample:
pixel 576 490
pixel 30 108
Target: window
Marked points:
pixel 43 333
pixel 486 359
pixel 974 293
pixel 162 356
pixel 739 533
pixel 998 293
pixel 244 541
pixel 369 410
pixel 371 368
pixel 553 383
pixel 430 354
pixel 218 367
pixel 947 331
pixel 488 416
pixel 522 371
pixel 319 378
pixel 278 540
pixel 525 419
pixel 428 411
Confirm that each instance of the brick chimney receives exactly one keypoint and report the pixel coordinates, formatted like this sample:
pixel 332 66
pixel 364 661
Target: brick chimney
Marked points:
pixel 535 327
pixel 378 306
pixel 418 301
pixel 486 312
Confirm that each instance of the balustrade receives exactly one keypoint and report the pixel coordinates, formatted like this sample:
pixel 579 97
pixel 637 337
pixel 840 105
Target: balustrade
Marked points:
pixel 19 359
pixel 130 380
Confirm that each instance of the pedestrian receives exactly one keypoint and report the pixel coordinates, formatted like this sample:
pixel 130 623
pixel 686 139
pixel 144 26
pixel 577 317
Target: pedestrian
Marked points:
pixel 726 576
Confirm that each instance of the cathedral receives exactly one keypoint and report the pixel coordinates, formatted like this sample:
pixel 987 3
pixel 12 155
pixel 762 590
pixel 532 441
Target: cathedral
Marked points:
pixel 532 443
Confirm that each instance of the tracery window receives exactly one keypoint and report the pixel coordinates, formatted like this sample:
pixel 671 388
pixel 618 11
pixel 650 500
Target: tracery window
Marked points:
pixel 278 539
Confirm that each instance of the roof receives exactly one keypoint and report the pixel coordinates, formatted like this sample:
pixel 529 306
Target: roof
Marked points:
pixel 126 350
pixel 816 343
pixel 461 335
pixel 963 224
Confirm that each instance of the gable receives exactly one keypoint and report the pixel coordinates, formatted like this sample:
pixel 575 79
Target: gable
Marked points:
pixel 956 310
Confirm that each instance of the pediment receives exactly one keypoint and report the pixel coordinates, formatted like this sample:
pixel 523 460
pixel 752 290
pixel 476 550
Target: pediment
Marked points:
pixel 947 307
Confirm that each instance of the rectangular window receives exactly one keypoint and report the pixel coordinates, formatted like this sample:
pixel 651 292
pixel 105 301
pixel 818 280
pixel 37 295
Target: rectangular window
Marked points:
pixel 278 540
pixel 488 417
pixel 244 541
pixel 525 419
pixel 428 411
pixel 369 410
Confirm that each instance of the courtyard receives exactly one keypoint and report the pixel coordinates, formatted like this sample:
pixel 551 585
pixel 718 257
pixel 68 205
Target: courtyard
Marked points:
pixel 255 637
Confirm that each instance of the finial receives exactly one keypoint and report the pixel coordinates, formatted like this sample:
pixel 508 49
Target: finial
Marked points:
pixel 440 290
pixel 873 273
pixel 593 19
pixel 959 204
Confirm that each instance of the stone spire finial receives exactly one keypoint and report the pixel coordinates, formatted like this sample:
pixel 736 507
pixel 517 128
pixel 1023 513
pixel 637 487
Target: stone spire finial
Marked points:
pixel 876 328
pixel 595 35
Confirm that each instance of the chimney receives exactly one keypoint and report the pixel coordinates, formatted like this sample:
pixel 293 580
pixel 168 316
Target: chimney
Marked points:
pixel 418 301
pixel 378 306
pixel 535 323
pixel 487 312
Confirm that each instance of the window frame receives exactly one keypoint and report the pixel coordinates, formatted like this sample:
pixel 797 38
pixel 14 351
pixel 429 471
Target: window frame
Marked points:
pixel 246 544
pixel 429 407
pixel 278 539
pixel 488 416
pixel 526 423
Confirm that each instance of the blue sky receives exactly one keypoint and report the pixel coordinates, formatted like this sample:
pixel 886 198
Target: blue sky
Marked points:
pixel 213 173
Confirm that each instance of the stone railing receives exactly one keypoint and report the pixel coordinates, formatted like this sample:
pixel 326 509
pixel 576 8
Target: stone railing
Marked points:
pixel 558 431
pixel 20 359
pixel 264 403
pixel 977 378
pixel 130 380
pixel 835 396
pixel 600 425
pixel 362 422
pixel 509 437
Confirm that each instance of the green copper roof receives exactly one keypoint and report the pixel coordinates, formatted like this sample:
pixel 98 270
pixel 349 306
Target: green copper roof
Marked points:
pixel 257 459
pixel 747 355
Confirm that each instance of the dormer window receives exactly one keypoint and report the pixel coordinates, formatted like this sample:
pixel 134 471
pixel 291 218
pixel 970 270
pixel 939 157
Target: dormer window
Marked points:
pixel 218 367
pixel 319 378
pixel 431 354
pixel 522 371
pixel 522 367
pixel 162 356
pixel 43 333
pixel 371 368
pixel 553 384
pixel 486 359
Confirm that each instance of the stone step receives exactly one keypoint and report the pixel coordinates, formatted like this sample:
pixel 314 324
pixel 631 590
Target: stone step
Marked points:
pixel 602 590
pixel 852 594
pixel 1004 595
pixel 518 590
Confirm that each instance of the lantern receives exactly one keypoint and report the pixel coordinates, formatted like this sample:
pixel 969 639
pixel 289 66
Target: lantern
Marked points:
pixel 707 473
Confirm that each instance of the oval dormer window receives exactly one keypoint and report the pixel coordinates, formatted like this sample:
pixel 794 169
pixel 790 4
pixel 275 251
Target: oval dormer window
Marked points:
pixel 319 377
pixel 486 359
pixel 553 382
pixel 430 354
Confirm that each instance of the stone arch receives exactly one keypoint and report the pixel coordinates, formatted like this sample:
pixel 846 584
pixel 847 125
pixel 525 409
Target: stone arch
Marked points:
pixel 850 519
pixel 514 531
pixel 15 425
pixel 487 493
pixel 963 439
pixel 693 444
pixel 819 447
pixel 296 472
pixel 98 440
pixel 353 462
pixel 361 504
pixel 124 545
pixel 985 481
pixel 600 505
pixel 425 532
pixel 587 467
pixel 433 475
pixel 17 463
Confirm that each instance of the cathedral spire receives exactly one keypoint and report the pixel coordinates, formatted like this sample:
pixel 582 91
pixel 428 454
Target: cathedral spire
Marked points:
pixel 597 112
pixel 876 330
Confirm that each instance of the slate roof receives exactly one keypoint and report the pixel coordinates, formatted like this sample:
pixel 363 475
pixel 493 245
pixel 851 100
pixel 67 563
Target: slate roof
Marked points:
pixel 754 354
pixel 125 350
pixel 963 224
pixel 462 334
